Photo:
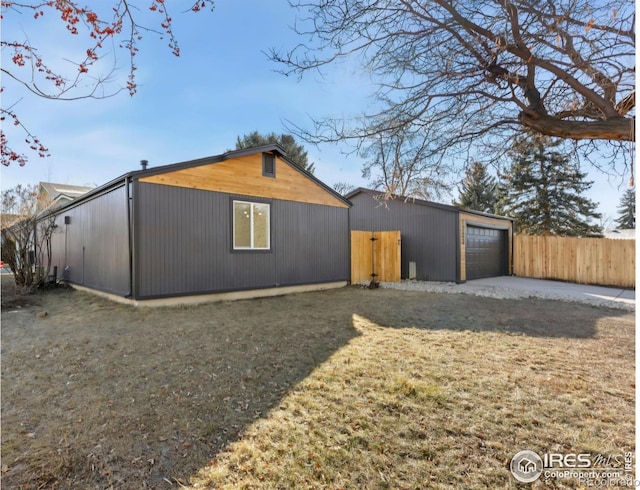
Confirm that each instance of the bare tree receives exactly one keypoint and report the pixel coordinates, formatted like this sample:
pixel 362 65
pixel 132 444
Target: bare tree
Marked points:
pixel 343 188
pixel 102 27
pixel 472 71
pixel 26 232
pixel 402 164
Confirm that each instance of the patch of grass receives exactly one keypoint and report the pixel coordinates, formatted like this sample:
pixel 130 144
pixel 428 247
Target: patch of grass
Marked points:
pixel 417 390
pixel 416 408
pixel 349 388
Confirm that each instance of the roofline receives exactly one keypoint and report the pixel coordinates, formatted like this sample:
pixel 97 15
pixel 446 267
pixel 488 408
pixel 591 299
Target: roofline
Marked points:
pixel 396 197
pixel 486 215
pixel 58 196
pixel 315 179
pixel 55 186
pixel 112 184
pixel 137 174
pixel 423 202
pixel 269 148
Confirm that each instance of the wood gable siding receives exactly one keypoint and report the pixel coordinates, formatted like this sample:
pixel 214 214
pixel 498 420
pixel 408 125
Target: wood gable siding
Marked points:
pixel 243 175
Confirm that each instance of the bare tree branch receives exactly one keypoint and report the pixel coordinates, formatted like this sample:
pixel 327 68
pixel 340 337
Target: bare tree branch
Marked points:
pixel 476 72
pixel 98 28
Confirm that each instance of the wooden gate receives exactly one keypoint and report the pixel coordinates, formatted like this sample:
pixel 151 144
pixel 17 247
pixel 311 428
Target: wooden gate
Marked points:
pixel 375 255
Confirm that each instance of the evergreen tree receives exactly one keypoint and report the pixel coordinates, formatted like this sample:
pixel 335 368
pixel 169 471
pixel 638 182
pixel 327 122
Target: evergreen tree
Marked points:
pixel 295 152
pixel 544 191
pixel 478 190
pixel 626 219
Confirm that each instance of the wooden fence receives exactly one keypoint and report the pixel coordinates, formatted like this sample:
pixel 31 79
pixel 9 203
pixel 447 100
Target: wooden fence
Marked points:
pixel 380 256
pixel 582 260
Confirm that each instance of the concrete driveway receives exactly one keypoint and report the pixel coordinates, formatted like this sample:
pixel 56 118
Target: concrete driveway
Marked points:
pixel 511 287
pixel 556 290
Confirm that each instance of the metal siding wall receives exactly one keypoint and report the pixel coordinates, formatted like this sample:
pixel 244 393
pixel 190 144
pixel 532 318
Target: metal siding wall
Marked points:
pixel 184 244
pixel 428 233
pixel 97 252
pixel 312 243
pixel 57 246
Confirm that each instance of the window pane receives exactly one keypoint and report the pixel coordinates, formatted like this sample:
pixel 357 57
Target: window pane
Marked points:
pixel 268 165
pixel 260 226
pixel 241 225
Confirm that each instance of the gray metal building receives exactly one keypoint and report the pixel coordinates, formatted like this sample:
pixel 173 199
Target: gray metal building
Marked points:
pixel 245 220
pixel 438 242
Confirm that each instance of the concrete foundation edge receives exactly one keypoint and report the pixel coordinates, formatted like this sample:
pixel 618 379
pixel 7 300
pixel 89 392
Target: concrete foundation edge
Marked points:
pixel 209 298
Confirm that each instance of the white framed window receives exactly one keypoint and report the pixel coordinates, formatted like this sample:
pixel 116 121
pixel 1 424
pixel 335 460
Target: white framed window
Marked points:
pixel 251 226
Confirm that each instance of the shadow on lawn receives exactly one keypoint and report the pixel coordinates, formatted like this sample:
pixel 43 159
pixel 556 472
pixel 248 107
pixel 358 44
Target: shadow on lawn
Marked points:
pixel 460 312
pixel 99 394
pixel 130 398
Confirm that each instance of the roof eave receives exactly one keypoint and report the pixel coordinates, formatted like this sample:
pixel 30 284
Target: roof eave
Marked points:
pixel 137 174
pixel 395 197
pixel 486 215
pixel 270 148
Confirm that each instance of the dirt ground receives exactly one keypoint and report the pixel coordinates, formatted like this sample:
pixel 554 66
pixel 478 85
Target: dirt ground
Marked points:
pixel 102 395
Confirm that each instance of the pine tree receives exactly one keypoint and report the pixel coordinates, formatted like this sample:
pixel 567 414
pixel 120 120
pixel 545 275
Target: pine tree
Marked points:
pixel 626 219
pixel 544 191
pixel 478 190
pixel 295 152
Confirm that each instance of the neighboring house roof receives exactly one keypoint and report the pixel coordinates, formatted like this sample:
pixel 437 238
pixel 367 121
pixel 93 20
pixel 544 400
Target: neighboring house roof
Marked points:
pixel 138 174
pixel 7 220
pixel 56 192
pixel 54 196
pixel 447 207
pixel 620 234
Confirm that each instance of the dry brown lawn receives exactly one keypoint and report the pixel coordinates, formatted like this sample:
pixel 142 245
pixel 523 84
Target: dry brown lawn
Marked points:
pixel 350 388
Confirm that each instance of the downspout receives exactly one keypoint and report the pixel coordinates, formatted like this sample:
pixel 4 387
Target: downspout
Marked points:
pixel 66 249
pixel 458 248
pixel 35 249
pixel 512 239
pixel 127 184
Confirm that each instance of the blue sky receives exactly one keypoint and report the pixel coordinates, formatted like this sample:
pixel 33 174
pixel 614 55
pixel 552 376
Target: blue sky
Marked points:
pixel 221 87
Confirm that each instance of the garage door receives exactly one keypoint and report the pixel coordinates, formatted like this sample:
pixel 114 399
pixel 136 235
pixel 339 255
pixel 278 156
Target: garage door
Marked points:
pixel 485 252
